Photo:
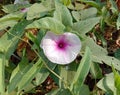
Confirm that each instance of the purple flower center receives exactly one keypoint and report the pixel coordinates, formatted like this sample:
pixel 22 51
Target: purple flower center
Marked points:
pixel 61 45
pixel 24 10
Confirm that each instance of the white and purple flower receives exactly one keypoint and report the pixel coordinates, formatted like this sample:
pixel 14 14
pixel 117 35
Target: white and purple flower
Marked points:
pixel 61 49
pixel 23 2
pixel 24 10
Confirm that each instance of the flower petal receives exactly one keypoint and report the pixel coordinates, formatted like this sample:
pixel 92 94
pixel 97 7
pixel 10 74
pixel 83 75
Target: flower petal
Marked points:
pixel 21 2
pixel 24 10
pixel 73 49
pixel 49 43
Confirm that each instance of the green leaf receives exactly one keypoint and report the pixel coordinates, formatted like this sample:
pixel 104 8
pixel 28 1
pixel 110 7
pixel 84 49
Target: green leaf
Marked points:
pixel 117 54
pixel 107 84
pixel 118 22
pixel 84 90
pixel 97 51
pixel 66 2
pixel 64 92
pixel 32 37
pixel 8 42
pixel 84 14
pixel 17 75
pixel 100 54
pixel 61 91
pixel 111 61
pixel 10 8
pixel 9 16
pixel 82 72
pixel 53 92
pixel 8 23
pixel 23 75
pixel 116 80
pixel 30 88
pixel 48 23
pixel 66 74
pixel 10 20
pixel 92 3
pixel 76 6
pixel 23 63
pixel 76 15
pixel 114 7
pixel 96 71
pixel 2 73
pixel 63 14
pixel 85 26
pixel 29 75
pixel 43 73
pixel 37 10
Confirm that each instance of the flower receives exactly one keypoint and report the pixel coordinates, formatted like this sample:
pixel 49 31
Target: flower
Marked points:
pixel 61 49
pixel 24 10
pixel 21 2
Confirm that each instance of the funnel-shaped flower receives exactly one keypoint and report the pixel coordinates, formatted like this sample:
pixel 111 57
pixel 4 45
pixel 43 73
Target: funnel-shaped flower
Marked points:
pixel 61 49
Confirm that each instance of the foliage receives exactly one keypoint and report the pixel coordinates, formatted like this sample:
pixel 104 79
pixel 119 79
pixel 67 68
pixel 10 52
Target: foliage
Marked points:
pixel 22 32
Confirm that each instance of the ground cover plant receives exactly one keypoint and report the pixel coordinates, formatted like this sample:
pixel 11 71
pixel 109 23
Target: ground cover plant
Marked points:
pixel 59 47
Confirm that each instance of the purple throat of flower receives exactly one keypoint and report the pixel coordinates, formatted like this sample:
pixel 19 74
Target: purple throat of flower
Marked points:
pixel 24 9
pixel 62 44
